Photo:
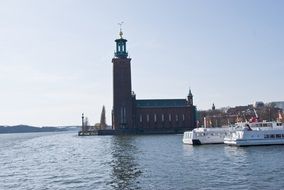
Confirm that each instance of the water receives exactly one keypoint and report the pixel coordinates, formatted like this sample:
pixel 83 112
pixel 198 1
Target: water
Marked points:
pixel 66 161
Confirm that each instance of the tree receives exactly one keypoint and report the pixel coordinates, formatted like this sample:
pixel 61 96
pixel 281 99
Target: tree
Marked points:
pixel 103 119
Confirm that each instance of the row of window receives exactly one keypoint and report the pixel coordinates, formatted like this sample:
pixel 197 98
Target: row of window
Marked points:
pixel 212 134
pixel 272 136
pixel 162 117
pixel 266 124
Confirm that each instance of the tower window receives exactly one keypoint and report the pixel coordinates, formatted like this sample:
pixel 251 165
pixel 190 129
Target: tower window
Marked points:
pixel 155 118
pixel 122 114
pixel 176 117
pixel 148 118
pixel 163 118
pixel 141 118
pixel 183 117
pixel 170 117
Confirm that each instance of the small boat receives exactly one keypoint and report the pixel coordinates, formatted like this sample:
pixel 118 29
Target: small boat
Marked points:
pixel 199 136
pixel 259 133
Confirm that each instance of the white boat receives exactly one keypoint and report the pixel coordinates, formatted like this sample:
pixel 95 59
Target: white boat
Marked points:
pixel 199 136
pixel 259 133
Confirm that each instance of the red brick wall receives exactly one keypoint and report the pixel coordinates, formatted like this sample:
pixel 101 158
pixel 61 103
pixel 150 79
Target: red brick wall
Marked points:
pixel 176 121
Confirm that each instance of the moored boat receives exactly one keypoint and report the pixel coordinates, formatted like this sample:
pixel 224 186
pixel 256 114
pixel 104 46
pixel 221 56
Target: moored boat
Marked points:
pixel 199 136
pixel 259 133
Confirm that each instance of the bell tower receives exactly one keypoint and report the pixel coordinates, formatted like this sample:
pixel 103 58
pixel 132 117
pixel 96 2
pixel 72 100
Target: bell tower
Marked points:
pixel 122 99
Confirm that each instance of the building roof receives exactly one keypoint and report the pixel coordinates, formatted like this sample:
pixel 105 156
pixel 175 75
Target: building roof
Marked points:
pixel 161 103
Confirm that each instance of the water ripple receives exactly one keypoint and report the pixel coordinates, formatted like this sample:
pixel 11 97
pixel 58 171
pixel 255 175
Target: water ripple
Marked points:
pixel 66 161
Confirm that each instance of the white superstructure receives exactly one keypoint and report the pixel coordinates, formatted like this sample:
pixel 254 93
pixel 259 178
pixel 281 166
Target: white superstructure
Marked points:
pixel 200 136
pixel 259 133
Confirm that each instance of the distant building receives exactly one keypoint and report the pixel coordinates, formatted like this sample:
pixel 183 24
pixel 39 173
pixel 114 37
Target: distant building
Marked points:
pixel 278 104
pixel 257 104
pixel 145 115
pixel 248 113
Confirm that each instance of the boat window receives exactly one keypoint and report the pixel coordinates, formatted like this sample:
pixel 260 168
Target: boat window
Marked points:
pixel 278 135
pixel 269 124
pixel 266 136
pixel 141 118
pixel 282 135
pixel 264 124
pixel 279 124
pixel 272 136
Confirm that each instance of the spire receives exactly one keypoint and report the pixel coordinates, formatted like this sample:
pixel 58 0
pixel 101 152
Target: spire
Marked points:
pixel 120 30
pixel 213 106
pixel 190 97
pixel 189 93
pixel 121 45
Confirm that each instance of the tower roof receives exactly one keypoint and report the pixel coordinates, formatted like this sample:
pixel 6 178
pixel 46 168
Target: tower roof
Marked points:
pixel 189 93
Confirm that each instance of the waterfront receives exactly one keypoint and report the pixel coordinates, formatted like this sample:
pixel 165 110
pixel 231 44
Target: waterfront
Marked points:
pixel 66 161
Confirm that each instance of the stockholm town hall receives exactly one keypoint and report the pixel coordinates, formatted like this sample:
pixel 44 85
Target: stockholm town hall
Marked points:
pixel 145 116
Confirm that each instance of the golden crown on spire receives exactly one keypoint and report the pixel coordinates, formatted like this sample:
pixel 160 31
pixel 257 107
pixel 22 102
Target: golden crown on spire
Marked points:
pixel 120 32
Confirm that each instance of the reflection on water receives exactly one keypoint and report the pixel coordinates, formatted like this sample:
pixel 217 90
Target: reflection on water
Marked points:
pixel 235 153
pixel 125 169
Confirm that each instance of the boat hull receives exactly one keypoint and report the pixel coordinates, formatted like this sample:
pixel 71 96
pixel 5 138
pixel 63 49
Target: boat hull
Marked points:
pixel 253 142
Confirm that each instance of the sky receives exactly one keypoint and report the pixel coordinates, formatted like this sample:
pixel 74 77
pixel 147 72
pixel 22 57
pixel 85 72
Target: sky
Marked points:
pixel 55 55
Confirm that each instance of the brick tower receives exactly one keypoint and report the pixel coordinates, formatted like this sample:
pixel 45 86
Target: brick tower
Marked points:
pixel 122 113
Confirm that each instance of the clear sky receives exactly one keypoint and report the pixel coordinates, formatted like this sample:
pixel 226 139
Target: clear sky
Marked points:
pixel 55 55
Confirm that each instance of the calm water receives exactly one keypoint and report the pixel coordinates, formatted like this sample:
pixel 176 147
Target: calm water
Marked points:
pixel 66 161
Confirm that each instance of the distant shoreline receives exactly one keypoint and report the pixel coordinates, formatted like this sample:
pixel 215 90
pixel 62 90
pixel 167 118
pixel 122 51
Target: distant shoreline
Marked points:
pixel 32 129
